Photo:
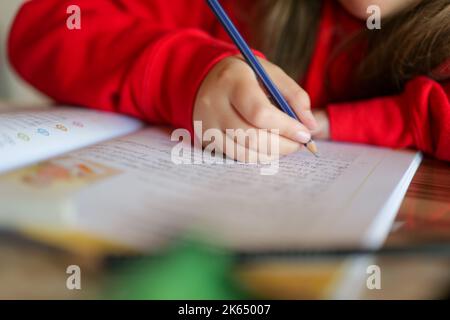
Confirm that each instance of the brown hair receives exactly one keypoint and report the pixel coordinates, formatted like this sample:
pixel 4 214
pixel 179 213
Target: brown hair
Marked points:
pixel 413 42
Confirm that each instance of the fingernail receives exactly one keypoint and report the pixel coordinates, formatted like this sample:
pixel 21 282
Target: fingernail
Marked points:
pixel 303 137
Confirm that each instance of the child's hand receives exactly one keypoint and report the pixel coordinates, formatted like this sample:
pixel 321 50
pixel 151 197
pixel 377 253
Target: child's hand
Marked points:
pixel 231 97
pixel 323 125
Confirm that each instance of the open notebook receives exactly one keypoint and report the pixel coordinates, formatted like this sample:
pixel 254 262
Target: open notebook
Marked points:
pixel 106 177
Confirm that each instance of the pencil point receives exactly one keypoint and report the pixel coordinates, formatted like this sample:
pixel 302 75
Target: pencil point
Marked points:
pixel 312 147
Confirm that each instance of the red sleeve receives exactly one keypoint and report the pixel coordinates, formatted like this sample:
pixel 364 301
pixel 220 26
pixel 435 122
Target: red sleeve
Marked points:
pixel 142 58
pixel 417 118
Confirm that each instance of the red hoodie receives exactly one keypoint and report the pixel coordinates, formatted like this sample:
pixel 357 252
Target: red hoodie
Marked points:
pixel 147 58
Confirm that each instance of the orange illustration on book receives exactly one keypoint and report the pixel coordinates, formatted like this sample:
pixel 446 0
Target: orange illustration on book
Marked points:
pixel 64 172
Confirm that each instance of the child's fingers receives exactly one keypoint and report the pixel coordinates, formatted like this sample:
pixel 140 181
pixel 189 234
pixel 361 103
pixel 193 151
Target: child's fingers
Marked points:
pixel 265 142
pixel 253 105
pixel 257 139
pixel 297 98
pixel 238 152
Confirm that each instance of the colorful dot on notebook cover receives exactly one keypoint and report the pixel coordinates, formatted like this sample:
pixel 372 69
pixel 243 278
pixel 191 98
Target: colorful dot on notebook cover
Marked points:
pixel 43 132
pixel 23 136
pixel 61 127
pixel 78 124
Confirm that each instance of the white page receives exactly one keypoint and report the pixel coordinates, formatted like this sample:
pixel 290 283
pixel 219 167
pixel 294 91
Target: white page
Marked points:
pixel 30 136
pixel 140 197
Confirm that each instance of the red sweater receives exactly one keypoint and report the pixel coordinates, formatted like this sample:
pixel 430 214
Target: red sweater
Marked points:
pixel 147 58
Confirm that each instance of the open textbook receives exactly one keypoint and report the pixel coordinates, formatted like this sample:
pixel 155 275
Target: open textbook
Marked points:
pixel 105 176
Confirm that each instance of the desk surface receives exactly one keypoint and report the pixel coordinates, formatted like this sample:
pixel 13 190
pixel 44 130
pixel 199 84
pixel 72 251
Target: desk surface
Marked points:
pixel 425 212
pixel 28 271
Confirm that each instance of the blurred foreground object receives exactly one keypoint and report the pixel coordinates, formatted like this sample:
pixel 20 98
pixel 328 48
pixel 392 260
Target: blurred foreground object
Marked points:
pixel 186 271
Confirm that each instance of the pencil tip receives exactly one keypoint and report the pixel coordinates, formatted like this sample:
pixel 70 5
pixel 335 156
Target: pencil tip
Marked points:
pixel 312 147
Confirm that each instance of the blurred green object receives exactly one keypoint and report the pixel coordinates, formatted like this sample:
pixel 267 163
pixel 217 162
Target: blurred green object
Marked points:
pixel 188 270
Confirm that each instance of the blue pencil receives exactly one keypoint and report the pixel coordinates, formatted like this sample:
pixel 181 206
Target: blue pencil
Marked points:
pixel 254 63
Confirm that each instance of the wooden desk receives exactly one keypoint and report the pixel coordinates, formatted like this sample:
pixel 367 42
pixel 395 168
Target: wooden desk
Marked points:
pixel 425 213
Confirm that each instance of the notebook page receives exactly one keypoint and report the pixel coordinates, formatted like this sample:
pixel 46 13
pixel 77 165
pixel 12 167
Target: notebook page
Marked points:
pixel 30 136
pixel 139 197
